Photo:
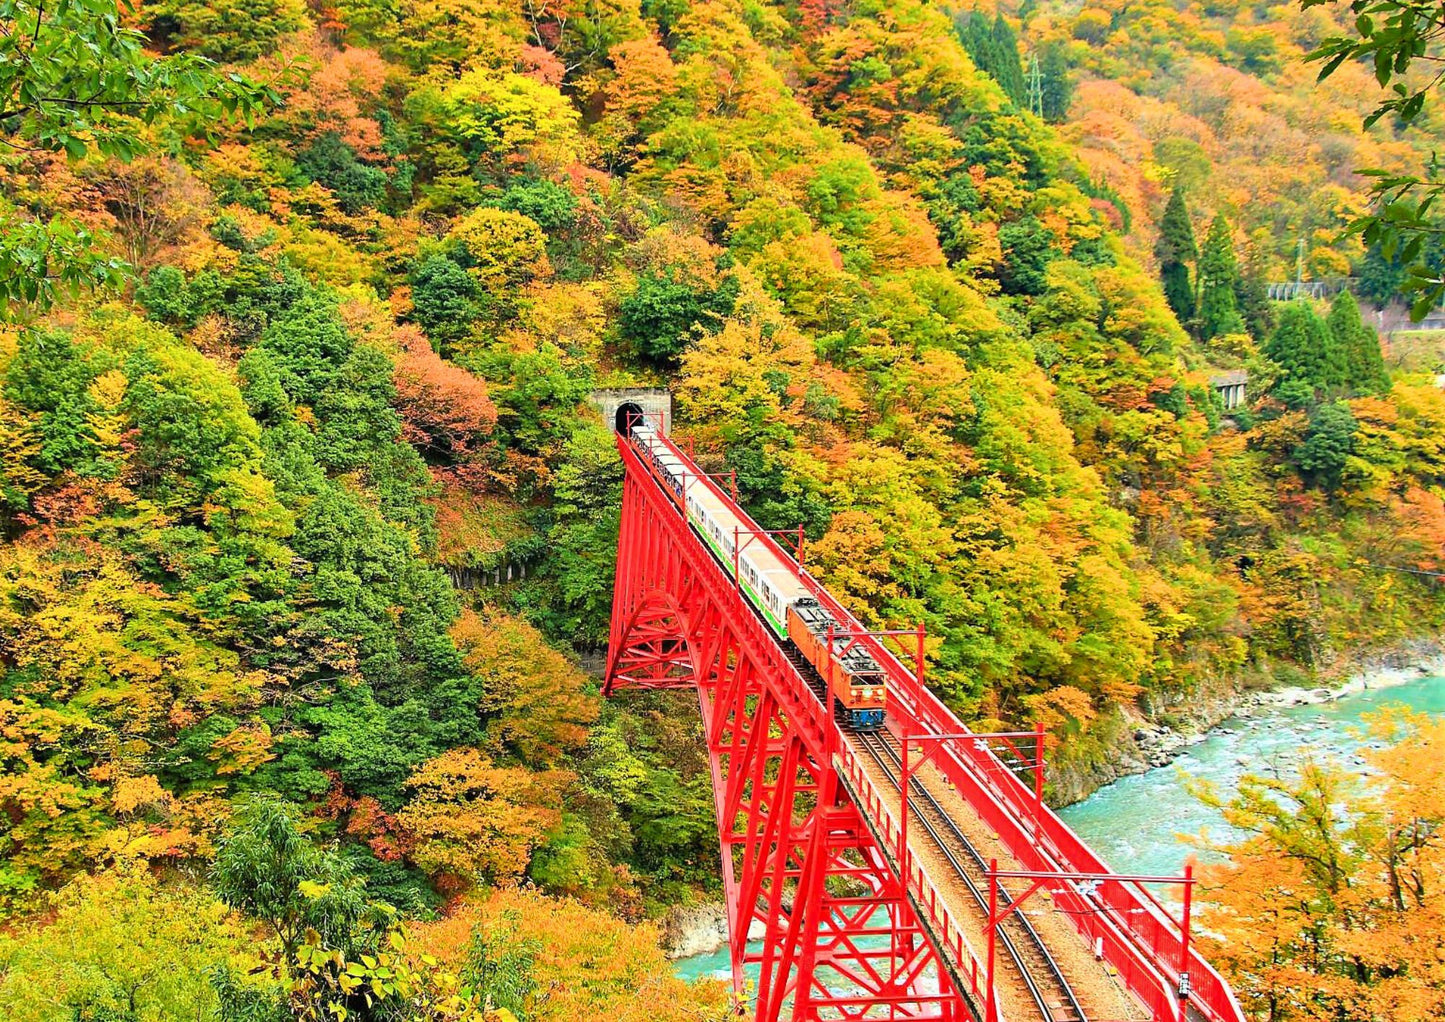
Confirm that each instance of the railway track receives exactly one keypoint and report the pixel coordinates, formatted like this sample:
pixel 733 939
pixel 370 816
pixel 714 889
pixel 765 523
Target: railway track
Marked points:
pixel 1047 987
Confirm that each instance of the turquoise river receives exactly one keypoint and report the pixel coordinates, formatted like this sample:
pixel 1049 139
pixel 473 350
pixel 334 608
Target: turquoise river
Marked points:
pixel 1139 824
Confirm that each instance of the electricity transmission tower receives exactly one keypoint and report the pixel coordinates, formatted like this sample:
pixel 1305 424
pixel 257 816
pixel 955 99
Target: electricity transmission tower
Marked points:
pixel 1035 81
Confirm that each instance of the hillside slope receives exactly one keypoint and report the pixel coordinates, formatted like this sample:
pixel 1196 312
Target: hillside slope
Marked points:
pixel 354 370
pixel 1217 98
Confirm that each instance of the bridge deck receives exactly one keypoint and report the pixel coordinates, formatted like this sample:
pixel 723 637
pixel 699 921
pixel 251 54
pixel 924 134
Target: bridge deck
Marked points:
pixel 1043 968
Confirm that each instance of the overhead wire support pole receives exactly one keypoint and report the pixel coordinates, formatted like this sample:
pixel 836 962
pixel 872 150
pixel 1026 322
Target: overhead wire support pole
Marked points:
pixel 990 1010
pixel 1184 933
pixel 1080 882
pixel 1038 783
pixel 832 697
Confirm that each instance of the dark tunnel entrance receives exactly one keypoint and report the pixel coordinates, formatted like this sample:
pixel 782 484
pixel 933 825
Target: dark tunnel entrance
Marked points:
pixel 629 414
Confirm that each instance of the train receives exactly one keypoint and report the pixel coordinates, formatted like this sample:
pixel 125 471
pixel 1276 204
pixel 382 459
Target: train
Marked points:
pixel 774 590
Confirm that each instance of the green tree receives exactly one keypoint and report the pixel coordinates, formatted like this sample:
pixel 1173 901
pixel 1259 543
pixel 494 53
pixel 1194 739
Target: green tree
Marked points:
pixel 1027 251
pixel 1379 278
pixel 268 869
pixel 1008 69
pixel 1218 281
pixel 74 79
pixel 1327 445
pixel 994 48
pixel 658 318
pixel 1175 249
pixel 582 557
pixel 446 301
pixel 1364 364
pixel 1251 296
pixel 1309 359
pixel 1057 83
pixel 333 163
pixel 343 955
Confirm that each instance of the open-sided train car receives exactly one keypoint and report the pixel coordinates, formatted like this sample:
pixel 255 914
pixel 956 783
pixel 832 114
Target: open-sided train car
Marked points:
pixel 773 588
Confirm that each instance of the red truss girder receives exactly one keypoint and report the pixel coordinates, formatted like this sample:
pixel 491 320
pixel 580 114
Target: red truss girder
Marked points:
pixel 800 868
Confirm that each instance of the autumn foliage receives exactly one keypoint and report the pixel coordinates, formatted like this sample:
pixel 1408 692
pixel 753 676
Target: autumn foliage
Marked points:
pixel 445 410
pixel 1331 906
pixel 306 506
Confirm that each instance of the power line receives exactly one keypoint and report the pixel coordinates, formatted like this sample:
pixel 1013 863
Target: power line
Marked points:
pixel 1409 571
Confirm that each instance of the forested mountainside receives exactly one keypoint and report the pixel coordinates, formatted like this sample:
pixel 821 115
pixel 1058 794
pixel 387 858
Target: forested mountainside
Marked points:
pixel 1218 98
pixel 351 372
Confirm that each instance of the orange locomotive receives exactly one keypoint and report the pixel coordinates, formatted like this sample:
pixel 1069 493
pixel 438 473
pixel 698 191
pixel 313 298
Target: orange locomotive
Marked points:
pixel 858 682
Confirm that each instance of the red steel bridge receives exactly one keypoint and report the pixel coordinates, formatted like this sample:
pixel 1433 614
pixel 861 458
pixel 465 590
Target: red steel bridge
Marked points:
pixel 908 874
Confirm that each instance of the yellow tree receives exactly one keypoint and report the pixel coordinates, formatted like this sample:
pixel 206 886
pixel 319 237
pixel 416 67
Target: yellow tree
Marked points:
pixel 540 700
pixel 554 960
pixel 1330 907
pixel 475 822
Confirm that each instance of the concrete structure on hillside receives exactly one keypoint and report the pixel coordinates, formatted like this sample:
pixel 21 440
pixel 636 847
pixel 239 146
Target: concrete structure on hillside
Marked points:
pixel 1231 386
pixel 620 402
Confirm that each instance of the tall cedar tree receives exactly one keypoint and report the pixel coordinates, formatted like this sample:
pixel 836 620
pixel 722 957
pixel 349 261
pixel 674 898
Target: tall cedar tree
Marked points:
pixel 1056 84
pixel 1218 279
pixel 1176 250
pixel 1364 365
pixel 1008 69
pixel 1251 296
pixel 995 50
pixel 1310 360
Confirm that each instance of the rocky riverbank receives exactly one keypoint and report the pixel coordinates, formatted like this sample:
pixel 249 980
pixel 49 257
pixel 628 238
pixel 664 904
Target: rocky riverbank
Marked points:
pixel 699 929
pixel 1139 742
pixel 695 929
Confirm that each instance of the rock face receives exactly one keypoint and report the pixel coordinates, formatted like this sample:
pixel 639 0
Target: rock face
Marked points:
pixel 695 929
pixel 702 929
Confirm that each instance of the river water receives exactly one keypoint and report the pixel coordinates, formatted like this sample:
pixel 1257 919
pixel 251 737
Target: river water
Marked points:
pixel 1138 824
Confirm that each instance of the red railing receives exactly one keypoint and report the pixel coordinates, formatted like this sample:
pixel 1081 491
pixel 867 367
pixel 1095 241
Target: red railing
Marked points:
pixel 1125 922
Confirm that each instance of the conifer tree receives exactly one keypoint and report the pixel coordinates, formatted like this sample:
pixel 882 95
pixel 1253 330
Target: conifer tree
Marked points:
pixel 994 49
pixel 1058 87
pixel 1364 365
pixel 973 31
pixel 1176 249
pixel 1251 296
pixel 1310 360
pixel 1007 69
pixel 1218 278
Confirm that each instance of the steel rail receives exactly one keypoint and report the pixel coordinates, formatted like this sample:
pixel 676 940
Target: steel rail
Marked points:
pixel 1035 991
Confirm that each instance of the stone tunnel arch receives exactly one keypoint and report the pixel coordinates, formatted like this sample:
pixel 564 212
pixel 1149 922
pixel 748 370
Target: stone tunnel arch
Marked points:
pixel 653 402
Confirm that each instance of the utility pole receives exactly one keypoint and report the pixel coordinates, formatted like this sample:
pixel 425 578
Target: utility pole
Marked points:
pixel 1299 263
pixel 1035 82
